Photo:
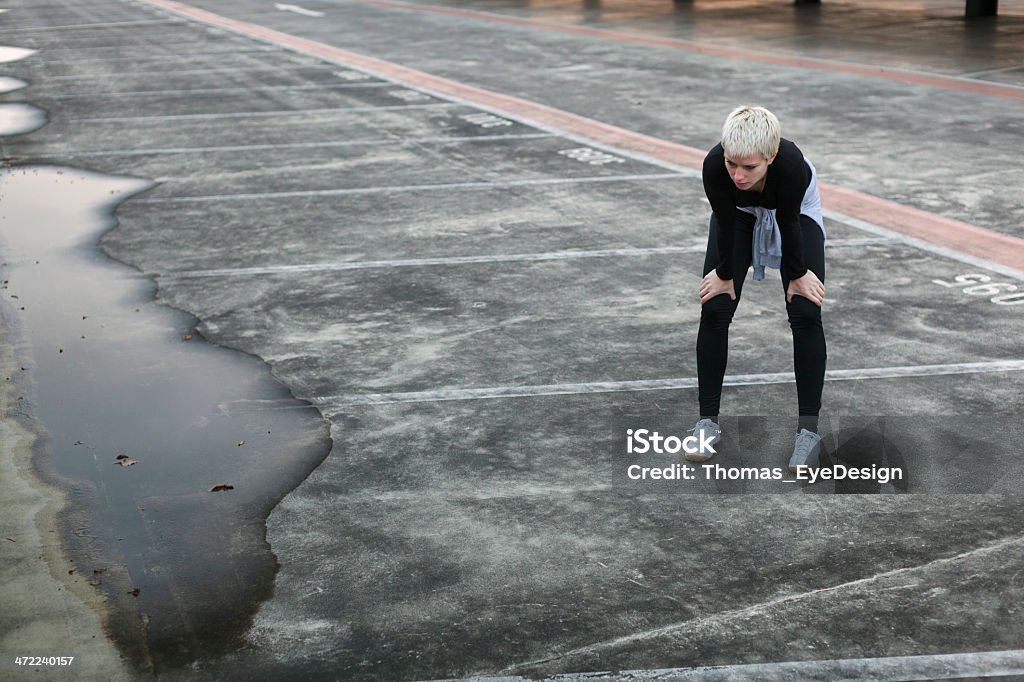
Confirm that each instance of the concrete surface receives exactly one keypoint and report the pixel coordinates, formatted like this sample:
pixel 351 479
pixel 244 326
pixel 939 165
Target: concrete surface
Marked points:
pixel 474 305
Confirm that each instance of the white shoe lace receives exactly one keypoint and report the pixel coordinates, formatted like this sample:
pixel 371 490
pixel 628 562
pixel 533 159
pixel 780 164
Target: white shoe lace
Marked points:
pixel 804 442
pixel 705 425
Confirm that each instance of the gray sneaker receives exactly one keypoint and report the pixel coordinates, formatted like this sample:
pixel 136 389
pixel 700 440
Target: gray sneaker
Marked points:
pixel 806 451
pixel 706 426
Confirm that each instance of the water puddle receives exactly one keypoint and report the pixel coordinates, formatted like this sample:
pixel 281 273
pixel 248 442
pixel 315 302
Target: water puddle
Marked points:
pixel 112 377
pixel 17 118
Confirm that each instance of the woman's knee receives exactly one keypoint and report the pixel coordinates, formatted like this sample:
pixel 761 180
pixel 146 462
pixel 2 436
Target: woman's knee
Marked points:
pixel 718 310
pixel 803 314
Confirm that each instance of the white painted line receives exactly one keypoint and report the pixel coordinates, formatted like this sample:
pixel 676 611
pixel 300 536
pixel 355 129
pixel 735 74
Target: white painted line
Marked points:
pixel 925 246
pixel 396 142
pixel 463 260
pixel 409 188
pixel 426 262
pixel 297 10
pixel 201 72
pixel 859 241
pixel 169 59
pixel 200 91
pixel 115 24
pixel 986 72
pixel 448 394
pixel 258 114
pixel 926 668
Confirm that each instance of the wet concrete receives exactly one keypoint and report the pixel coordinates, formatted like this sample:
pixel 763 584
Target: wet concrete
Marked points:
pixel 471 357
pixel 109 376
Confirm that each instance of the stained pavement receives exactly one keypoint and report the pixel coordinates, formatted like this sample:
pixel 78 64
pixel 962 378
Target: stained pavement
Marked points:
pixel 474 304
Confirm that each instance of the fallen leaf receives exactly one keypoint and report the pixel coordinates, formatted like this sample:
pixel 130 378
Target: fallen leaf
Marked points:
pixel 126 462
pixel 221 486
pixel 187 337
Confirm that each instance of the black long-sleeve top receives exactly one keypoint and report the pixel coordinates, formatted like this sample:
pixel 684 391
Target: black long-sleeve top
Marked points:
pixel 785 184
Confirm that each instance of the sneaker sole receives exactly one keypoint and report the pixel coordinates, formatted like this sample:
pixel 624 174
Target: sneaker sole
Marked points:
pixel 816 465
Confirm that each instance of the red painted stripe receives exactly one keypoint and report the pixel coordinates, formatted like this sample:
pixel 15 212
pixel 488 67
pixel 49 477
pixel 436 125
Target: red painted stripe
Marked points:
pixel 970 239
pixel 900 75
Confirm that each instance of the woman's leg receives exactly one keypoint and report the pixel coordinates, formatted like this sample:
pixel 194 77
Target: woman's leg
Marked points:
pixel 716 315
pixel 809 354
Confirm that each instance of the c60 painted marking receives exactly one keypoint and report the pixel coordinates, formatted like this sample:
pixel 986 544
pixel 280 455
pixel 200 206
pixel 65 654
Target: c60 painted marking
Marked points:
pixel 594 157
pixel 974 284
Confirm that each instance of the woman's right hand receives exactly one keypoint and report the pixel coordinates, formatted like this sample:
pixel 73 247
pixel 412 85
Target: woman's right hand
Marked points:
pixel 712 285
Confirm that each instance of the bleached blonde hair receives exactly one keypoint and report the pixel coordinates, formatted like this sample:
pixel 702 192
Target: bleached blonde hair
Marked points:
pixel 750 130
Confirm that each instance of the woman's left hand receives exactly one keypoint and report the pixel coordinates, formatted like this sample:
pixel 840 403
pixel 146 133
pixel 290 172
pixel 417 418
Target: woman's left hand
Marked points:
pixel 808 286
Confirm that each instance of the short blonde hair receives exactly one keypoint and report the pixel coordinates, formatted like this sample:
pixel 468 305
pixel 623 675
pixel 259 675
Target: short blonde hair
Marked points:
pixel 750 130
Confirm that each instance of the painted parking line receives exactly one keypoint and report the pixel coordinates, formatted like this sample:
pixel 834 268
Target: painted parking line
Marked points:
pixel 214 70
pixel 926 668
pixel 989 72
pixel 954 235
pixel 382 142
pixel 957 83
pixel 259 114
pixel 168 59
pixel 203 91
pixel 445 187
pixel 540 390
pixel 470 260
pixel 69 27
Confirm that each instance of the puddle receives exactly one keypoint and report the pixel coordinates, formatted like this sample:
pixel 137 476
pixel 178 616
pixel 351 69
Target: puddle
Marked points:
pixel 13 54
pixel 17 118
pixel 8 84
pixel 107 372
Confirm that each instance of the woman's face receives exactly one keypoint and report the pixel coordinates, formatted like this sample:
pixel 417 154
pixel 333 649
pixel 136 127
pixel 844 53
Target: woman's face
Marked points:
pixel 748 172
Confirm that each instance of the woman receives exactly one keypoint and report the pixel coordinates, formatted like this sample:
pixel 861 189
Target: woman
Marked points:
pixel 766 212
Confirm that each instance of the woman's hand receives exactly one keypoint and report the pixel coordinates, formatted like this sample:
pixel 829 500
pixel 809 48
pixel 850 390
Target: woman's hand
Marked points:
pixel 808 286
pixel 712 285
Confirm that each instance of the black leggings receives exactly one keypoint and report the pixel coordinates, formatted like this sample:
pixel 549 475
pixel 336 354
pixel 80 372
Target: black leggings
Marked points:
pixel 804 319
